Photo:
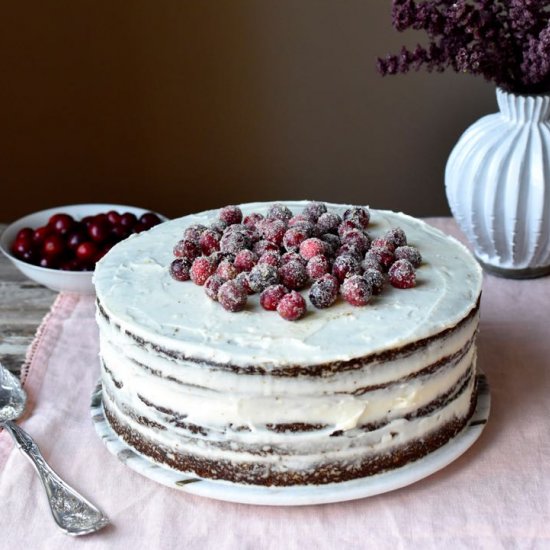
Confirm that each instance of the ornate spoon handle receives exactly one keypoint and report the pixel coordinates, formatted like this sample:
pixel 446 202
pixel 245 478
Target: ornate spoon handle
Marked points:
pixel 71 511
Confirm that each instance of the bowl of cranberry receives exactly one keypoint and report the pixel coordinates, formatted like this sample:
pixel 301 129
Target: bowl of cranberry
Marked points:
pixel 59 247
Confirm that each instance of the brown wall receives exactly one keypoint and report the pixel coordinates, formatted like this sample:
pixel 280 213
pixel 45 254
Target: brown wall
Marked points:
pixel 179 105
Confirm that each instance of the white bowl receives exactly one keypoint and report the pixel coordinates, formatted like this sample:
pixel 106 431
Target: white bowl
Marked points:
pixel 68 281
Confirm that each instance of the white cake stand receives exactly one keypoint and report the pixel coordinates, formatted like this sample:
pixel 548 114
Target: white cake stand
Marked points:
pixel 304 494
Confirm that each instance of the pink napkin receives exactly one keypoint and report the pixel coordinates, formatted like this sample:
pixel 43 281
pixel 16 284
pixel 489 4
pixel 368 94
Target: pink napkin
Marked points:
pixel 496 495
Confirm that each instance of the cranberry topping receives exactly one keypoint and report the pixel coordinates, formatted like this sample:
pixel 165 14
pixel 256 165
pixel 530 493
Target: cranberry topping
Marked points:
pixel 382 254
pixel 209 242
pixel 402 274
pixel 262 276
pixel 271 296
pixel 294 275
pixel 291 306
pixel 226 270
pixel 356 291
pixel 396 236
pixel 201 269
pixel 345 266
pixel 324 292
pixel 313 210
pixel 375 279
pixel 279 212
pixel 245 260
pixel 179 269
pixel 194 232
pixel 212 286
pixel 293 238
pixel 186 249
pixel 242 279
pixel 312 247
pixel 359 215
pixel 328 222
pixel 317 267
pixel 231 214
pixel 410 253
pixel 270 257
pixel 232 296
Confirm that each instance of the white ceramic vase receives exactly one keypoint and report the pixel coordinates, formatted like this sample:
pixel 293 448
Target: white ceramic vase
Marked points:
pixel 498 186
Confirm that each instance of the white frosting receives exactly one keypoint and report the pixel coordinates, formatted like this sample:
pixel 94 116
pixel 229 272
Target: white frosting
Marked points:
pixel 134 286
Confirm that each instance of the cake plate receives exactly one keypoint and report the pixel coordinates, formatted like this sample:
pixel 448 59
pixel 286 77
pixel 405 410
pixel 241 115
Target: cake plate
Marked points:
pixel 305 494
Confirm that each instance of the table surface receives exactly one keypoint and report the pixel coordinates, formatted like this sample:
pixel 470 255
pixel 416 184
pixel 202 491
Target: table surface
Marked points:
pixel 23 304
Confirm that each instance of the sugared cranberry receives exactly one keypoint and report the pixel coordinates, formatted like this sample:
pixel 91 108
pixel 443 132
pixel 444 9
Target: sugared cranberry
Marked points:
pixel 279 212
pixel 333 242
pixel 293 275
pixel 226 270
pixel 209 242
pixel 291 306
pixel 324 292
pixel 53 246
pixel 382 254
pixel 371 263
pixel 317 267
pixel 410 253
pixel 99 230
pixel 328 222
pixel 375 279
pixel 271 296
pixel 293 238
pixel 270 257
pixel 231 214
pixel 26 234
pixel 396 236
pixel 263 246
pixel 349 249
pixel 61 223
pixel 345 266
pixel 356 291
pixel 262 276
pixel 234 242
pixel 194 232
pixel 313 210
pixel 359 215
pixel 218 226
pixel 382 242
pixel 312 247
pixel 149 219
pixel 186 248
pixel 358 239
pixel 348 225
pixel 180 269
pixel 402 274
pixel 201 269
pixel 272 230
pixel 253 219
pixel 128 220
pixel 245 260
pixel 86 251
pixel 242 279
pixel 232 296
pixel 212 286
pixel 298 219
pixel 292 257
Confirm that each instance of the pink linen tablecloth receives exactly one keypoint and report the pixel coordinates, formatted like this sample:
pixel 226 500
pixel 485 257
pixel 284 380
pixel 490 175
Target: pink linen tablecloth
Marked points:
pixel 497 495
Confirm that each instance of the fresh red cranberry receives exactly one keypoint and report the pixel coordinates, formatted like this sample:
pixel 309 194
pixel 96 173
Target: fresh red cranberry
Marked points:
pixel 253 219
pixel 194 232
pixel 212 286
pixel 358 239
pixel 231 214
pixel 345 266
pixel 374 279
pixel 292 257
pixel 396 236
pixel 293 275
pixel 226 270
pixel 279 211
pixel 232 296
pixel 53 246
pixel 186 249
pixel 293 238
pixel 410 253
pixel 328 222
pixel 26 234
pixel 324 292
pixel 245 260
pixel 128 220
pixel 271 296
pixel 291 306
pixel 371 263
pixel 356 291
pixel 149 219
pixel 201 269
pixel 272 230
pixel 359 215
pixel 348 225
pixel 382 254
pixel 99 230
pixel 69 265
pixel 119 232
pixel 382 242
pixel 234 242
pixel 317 267
pixel 180 269
pixel 139 227
pixel 209 242
pixel 313 210
pixel 270 257
pixel 21 247
pixel 263 246
pixel 86 251
pixel 262 276
pixel 49 262
pixel 41 233
pixel 312 247
pixel 242 279
pixel 402 274
pixel 74 238
pixel 114 217
pixel 61 223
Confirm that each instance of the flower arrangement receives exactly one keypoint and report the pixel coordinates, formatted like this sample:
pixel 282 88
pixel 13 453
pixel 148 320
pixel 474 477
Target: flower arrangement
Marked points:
pixel 505 41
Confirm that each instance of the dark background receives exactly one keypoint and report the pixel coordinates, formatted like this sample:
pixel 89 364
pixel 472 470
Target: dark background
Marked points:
pixel 181 105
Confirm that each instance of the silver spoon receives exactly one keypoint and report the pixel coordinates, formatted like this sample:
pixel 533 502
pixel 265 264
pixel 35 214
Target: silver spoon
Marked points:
pixel 71 511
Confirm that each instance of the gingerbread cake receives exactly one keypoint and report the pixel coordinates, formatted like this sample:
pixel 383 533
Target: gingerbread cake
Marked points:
pixel 249 397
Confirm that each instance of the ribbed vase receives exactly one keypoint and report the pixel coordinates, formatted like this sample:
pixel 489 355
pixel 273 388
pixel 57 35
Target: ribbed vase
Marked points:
pixel 498 186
